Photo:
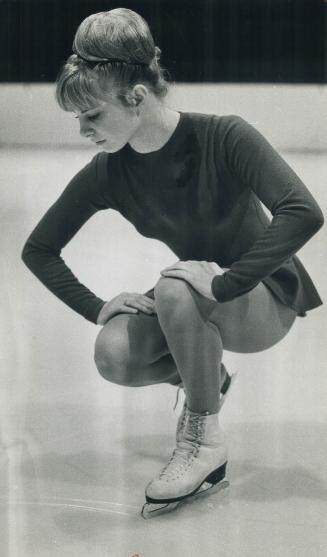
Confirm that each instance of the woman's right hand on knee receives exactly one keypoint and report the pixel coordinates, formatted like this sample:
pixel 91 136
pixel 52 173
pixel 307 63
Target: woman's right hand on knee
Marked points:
pixel 126 302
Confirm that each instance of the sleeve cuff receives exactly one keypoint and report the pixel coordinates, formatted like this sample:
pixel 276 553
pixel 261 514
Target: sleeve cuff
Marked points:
pixel 94 314
pixel 225 288
pixel 218 288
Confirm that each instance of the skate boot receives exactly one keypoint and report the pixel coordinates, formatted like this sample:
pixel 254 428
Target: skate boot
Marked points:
pixel 227 381
pixel 196 467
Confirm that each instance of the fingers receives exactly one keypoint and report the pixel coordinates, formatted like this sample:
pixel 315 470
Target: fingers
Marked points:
pixel 126 302
pixel 127 309
pixel 178 265
pixel 139 302
pixel 186 266
pixel 188 269
pixel 181 269
pixel 177 273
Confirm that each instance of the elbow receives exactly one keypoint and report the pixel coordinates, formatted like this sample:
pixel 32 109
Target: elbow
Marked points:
pixel 25 255
pixel 36 255
pixel 316 219
pixel 28 255
pixel 311 218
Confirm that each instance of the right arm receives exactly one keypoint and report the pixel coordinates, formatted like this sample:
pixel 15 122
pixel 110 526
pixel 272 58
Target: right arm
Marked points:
pixel 80 200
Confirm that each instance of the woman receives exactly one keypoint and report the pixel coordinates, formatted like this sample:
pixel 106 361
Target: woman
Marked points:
pixel 195 182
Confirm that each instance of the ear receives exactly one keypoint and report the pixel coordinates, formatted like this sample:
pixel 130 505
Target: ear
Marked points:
pixel 137 94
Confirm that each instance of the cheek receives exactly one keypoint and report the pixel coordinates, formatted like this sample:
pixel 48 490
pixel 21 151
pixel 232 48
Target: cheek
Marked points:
pixel 119 126
pixel 124 128
pixel 115 127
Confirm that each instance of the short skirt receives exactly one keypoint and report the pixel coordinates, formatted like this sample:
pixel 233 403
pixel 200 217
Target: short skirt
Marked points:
pixel 291 284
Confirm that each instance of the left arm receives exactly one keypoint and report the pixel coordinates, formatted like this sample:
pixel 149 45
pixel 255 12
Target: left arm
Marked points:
pixel 296 217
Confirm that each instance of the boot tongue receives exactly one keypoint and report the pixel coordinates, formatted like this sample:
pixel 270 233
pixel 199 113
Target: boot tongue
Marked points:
pixel 202 429
pixel 195 428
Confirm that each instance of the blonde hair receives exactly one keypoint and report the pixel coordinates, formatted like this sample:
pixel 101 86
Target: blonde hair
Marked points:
pixel 114 50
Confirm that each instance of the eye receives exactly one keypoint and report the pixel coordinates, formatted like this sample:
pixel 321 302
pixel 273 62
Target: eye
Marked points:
pixel 91 117
pixel 94 116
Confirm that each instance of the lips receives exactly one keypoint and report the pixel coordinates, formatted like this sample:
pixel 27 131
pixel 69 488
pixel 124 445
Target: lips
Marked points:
pixel 100 142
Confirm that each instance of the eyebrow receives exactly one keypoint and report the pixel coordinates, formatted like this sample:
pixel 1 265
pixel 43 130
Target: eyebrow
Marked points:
pixel 88 109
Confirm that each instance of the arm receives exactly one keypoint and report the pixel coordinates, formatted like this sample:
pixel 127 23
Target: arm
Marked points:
pixel 296 215
pixel 80 200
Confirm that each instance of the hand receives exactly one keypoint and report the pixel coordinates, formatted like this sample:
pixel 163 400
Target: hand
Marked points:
pixel 126 302
pixel 198 274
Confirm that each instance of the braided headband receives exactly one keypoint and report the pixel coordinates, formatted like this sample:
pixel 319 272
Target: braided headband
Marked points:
pixel 111 61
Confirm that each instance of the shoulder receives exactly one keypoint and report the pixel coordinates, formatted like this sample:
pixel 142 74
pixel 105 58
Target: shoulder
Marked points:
pixel 214 128
pixel 232 140
pixel 87 175
pixel 216 121
pixel 85 187
pixel 220 136
pixel 95 171
pixel 232 134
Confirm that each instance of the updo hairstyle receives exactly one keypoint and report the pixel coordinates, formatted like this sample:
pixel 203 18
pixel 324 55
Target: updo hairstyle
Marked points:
pixel 113 51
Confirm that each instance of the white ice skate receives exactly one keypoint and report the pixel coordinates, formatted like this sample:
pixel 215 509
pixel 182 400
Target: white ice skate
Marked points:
pixel 225 389
pixel 196 467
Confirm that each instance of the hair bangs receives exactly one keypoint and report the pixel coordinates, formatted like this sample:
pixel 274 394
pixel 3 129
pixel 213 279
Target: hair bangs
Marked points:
pixel 77 92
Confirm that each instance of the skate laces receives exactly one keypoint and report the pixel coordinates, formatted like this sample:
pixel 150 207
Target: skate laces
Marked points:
pixel 195 427
pixel 178 463
pixel 187 449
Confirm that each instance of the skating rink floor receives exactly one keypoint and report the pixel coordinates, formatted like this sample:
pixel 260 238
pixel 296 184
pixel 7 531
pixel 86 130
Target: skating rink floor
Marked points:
pixel 77 451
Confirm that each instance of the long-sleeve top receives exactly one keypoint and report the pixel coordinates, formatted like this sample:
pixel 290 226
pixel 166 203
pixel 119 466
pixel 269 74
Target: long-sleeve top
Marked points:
pixel 201 194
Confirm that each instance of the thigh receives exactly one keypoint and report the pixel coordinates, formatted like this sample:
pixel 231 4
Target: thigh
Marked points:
pixel 252 322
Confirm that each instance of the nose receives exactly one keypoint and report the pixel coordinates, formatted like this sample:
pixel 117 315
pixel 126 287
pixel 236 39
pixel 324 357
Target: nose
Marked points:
pixel 85 129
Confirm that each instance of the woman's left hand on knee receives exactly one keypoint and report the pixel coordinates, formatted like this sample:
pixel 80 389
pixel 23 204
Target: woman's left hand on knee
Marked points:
pixel 198 274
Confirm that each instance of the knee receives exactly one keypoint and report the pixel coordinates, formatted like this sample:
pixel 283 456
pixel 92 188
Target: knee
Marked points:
pixel 112 359
pixel 170 293
pixel 108 355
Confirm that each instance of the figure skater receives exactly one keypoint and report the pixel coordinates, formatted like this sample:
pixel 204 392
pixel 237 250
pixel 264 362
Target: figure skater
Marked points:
pixel 195 182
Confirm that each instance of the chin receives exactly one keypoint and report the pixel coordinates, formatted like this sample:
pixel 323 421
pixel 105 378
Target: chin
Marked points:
pixel 110 148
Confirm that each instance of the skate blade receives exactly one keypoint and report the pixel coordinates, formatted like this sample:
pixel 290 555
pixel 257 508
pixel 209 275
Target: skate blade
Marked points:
pixel 208 488
pixel 151 510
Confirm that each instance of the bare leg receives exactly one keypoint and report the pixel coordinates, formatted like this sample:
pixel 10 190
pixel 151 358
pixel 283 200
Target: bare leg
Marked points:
pixel 186 339
pixel 253 322
pixel 132 350
pixel 195 344
pixel 197 329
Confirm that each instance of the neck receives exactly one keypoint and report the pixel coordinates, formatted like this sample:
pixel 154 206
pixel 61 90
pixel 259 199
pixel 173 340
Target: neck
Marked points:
pixel 157 124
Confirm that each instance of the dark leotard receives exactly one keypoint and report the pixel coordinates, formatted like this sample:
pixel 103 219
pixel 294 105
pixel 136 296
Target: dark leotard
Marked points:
pixel 201 195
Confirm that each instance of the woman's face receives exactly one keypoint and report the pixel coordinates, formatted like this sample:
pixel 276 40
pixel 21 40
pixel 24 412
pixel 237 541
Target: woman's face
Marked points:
pixel 109 124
